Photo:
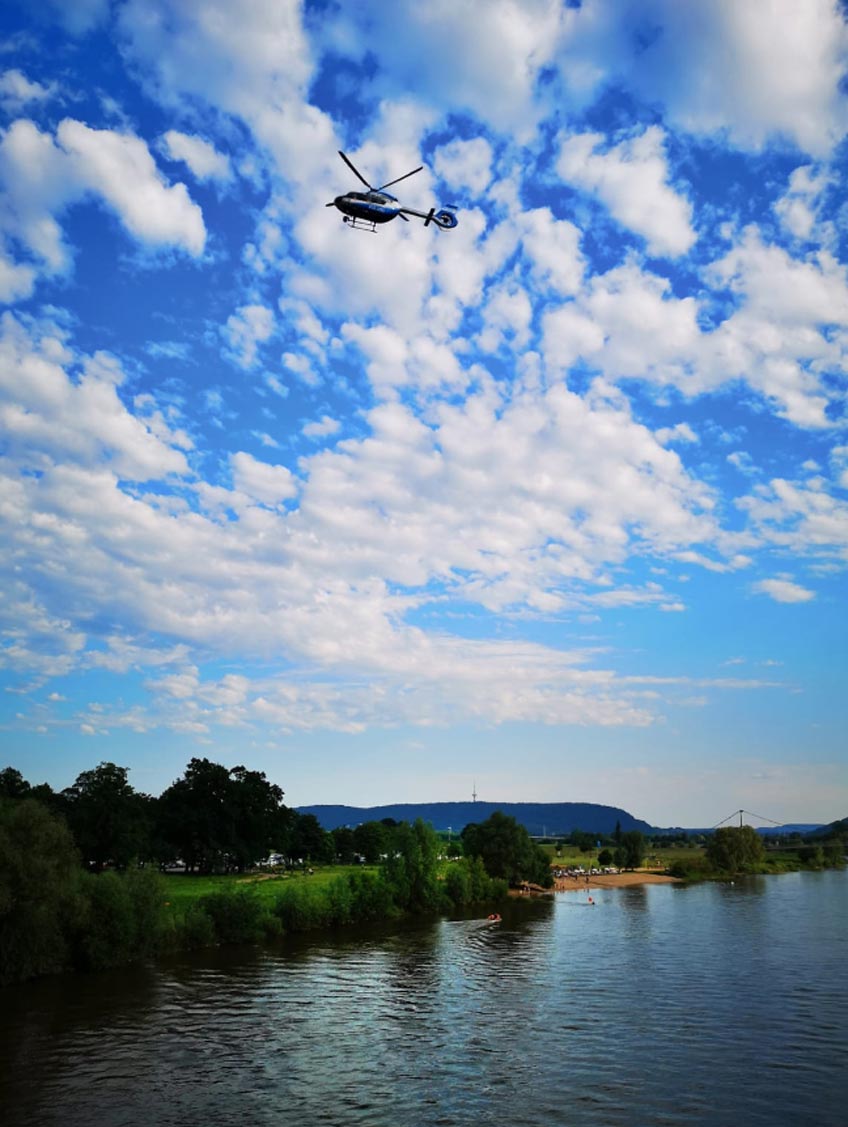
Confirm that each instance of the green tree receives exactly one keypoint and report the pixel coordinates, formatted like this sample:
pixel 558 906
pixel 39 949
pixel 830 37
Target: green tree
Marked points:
pixel 410 869
pixel 632 849
pixel 582 840
pixel 372 840
pixel 735 849
pixel 197 818
pixel 507 851
pixel 214 818
pixel 13 784
pixel 39 867
pixel 344 844
pixel 309 841
pixel 109 820
pixel 260 821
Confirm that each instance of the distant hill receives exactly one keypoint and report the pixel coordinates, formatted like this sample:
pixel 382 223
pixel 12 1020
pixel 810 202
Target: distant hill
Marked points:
pixel 791 828
pixel 834 829
pixel 765 831
pixel 555 818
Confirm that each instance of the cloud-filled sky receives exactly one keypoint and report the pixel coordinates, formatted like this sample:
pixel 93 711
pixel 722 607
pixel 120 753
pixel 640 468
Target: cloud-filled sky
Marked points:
pixel 553 505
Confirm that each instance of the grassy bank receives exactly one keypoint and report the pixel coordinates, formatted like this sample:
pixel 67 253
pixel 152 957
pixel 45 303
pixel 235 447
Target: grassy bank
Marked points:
pixel 92 922
pixel 692 863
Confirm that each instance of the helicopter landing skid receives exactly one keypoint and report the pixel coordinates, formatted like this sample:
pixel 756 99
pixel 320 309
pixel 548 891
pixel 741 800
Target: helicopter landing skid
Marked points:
pixel 360 224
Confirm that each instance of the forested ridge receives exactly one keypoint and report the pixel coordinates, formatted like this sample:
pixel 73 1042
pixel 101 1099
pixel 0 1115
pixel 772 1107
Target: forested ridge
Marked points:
pixel 538 818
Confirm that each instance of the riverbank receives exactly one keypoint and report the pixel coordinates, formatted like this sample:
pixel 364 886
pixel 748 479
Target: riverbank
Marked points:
pixel 613 880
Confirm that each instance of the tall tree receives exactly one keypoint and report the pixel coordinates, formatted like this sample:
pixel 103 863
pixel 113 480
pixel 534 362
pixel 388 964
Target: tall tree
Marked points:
pixel 631 852
pixel 218 818
pixel 344 843
pixel 733 849
pixel 260 820
pixel 195 817
pixel 410 869
pixel 13 784
pixel 309 842
pixel 507 850
pixel 109 820
pixel 372 840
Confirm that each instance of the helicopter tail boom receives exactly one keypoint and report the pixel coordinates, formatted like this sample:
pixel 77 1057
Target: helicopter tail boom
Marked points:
pixel 443 218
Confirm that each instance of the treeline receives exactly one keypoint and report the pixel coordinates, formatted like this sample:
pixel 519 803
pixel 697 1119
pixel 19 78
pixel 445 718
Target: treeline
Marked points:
pixel 55 915
pixel 213 819
pixel 61 908
pixel 736 850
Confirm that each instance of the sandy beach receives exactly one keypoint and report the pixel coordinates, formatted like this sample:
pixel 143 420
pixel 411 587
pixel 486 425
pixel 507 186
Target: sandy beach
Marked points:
pixel 612 880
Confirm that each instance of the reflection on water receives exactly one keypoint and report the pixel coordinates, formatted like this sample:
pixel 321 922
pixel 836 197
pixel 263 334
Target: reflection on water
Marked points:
pixel 717 1004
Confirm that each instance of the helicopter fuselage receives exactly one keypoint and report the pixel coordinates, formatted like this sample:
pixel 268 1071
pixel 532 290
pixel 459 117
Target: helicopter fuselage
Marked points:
pixel 372 207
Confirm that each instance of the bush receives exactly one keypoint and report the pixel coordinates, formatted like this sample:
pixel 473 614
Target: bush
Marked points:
pixel 302 907
pixel 237 915
pixel 371 897
pixel 458 885
pixel 38 886
pixel 692 868
pixel 105 928
pixel 196 929
pixel 146 891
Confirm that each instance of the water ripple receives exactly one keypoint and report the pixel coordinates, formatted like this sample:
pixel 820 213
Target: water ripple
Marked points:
pixel 675 1007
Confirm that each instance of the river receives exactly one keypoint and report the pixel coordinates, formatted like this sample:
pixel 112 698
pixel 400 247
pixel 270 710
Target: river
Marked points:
pixel 660 1005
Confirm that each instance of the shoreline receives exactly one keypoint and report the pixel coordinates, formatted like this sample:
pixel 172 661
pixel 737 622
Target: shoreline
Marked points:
pixel 614 880
pixel 601 880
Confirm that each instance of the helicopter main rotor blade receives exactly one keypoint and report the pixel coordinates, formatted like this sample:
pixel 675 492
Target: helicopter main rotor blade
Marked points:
pixel 418 169
pixel 355 171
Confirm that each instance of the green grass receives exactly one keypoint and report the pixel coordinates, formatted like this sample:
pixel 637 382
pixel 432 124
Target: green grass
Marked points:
pixel 182 890
pixel 571 857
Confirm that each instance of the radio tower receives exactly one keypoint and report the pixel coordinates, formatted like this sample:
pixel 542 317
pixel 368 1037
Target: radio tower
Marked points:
pixel 474 792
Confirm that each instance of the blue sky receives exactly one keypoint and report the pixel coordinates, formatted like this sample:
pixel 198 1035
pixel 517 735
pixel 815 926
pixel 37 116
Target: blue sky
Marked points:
pixel 553 504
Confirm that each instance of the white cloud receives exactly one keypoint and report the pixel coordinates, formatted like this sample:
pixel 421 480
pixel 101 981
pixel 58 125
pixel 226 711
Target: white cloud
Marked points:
pixel 465 164
pixel 36 180
pixel 507 317
pixel 48 418
pixel 245 330
pixel 323 427
pixel 17 91
pixel 783 591
pixel 680 432
pixel 553 247
pixel 80 16
pixel 41 179
pixel 632 180
pixel 202 158
pixel 119 167
pixel 798 208
pixel 16 280
pixel 253 61
pixel 756 73
pixel 806 518
pixel 270 485
pixel 488 63
pixel 780 339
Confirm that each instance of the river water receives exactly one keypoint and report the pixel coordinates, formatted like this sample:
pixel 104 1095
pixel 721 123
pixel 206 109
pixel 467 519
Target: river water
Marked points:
pixel 712 1004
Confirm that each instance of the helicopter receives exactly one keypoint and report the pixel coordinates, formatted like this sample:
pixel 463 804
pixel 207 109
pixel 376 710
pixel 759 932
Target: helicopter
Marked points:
pixel 365 210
